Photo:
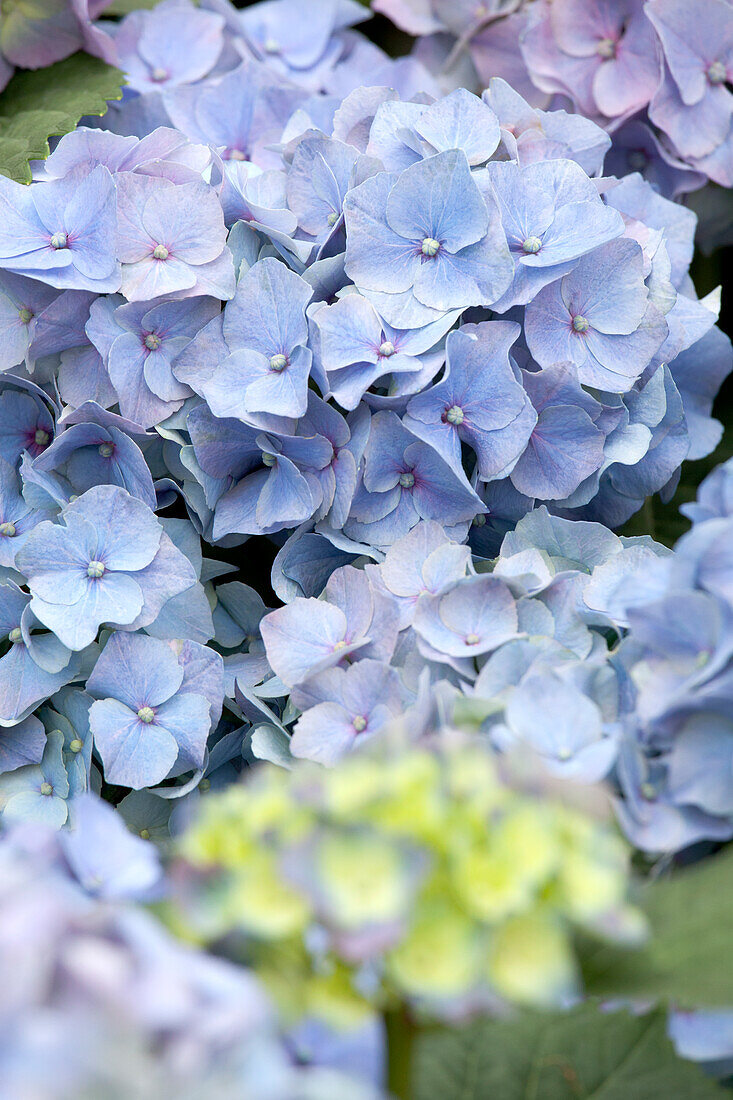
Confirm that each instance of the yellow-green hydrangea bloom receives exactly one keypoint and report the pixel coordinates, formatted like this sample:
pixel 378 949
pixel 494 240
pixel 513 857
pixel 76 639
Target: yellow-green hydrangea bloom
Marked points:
pixel 406 874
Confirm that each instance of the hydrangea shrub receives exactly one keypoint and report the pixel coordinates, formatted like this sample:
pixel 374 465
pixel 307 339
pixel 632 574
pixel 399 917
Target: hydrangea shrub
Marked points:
pixel 328 382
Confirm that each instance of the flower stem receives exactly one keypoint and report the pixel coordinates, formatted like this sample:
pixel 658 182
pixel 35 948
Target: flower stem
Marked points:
pixel 400 1034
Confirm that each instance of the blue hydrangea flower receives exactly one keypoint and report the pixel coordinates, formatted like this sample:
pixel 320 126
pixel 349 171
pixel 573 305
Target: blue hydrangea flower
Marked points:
pixel 104 856
pixel 266 330
pixel 17 517
pixel 698 373
pixel 636 199
pixel 62 231
pixel 425 240
pixel 356 348
pixel 26 423
pixel 173 44
pixel 478 397
pixel 552 215
pixel 22 743
pixel 38 793
pixel 699 764
pixel 151 336
pixel 603 56
pixel 424 560
pixel 404 481
pixel 146 717
pixel 649 815
pixel 403 133
pixel 467 619
pixel 258 199
pixel 171 239
pixel 531 135
pixel 107 562
pixel 693 105
pixel 636 148
pixel 240 115
pixel 61 325
pixel 96 450
pixel 21 300
pixel 69 713
pixel 258 481
pixel 548 714
pixel 339 478
pixel 298 44
pixel 343 706
pixel 702 1036
pixel 565 446
pixel 598 317
pixel 308 636
pixel 35 665
pixel 714 495
pixel 37 34
pixel 321 173
pixel 418 17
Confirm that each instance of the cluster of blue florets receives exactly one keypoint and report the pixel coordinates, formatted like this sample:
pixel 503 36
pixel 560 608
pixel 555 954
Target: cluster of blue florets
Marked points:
pixel 427 348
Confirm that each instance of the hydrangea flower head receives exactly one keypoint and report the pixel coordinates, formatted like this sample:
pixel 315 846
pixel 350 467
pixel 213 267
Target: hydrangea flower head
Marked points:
pixel 365 861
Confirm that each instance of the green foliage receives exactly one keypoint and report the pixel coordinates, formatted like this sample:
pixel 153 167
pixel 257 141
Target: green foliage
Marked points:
pixel 124 7
pixel 37 105
pixel 585 1054
pixel 687 956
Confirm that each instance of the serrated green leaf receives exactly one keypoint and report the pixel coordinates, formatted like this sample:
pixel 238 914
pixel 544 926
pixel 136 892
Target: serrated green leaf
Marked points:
pixel 687 956
pixel 50 102
pixel 584 1054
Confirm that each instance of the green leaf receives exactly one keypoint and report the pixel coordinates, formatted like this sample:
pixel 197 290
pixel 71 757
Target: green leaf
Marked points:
pixel 687 957
pixel 124 7
pixel 584 1054
pixel 37 105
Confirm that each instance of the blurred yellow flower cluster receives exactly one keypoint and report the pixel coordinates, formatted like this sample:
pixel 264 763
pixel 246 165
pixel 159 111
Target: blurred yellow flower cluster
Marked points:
pixel 408 875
